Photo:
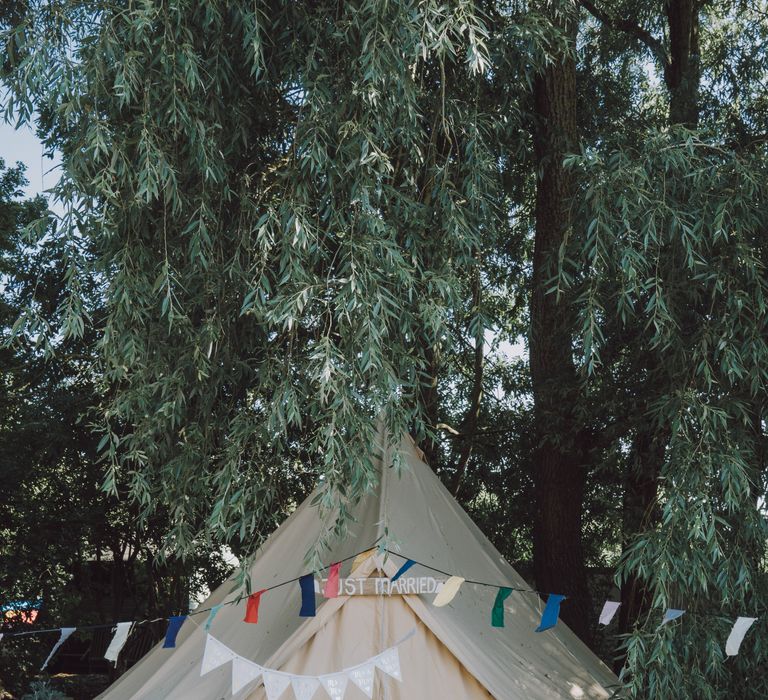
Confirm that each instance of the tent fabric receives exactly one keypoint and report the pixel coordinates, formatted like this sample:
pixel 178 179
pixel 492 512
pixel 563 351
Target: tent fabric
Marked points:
pixel 364 627
pixel 455 653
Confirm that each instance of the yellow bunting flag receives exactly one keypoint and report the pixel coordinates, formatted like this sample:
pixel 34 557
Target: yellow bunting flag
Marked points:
pixel 448 591
pixel 361 558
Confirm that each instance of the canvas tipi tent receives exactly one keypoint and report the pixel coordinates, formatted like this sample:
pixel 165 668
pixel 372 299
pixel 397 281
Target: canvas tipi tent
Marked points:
pixel 454 653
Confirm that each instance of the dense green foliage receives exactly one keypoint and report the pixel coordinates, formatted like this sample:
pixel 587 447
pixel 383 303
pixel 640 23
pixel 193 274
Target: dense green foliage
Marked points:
pixel 679 274
pixel 276 200
pixel 284 221
pixel 63 540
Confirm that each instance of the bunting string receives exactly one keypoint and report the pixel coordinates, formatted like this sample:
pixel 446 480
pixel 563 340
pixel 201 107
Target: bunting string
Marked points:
pixel 445 594
pixel 196 611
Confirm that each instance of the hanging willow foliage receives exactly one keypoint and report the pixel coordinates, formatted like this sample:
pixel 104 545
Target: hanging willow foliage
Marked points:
pixel 283 201
pixel 675 249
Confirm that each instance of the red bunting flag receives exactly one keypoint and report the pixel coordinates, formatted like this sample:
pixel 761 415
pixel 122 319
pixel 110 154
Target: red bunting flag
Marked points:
pixel 252 610
pixel 332 584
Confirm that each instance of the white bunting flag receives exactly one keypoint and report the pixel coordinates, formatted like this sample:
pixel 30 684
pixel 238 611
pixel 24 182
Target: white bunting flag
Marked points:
pixel 215 655
pixel 122 631
pixel 335 685
pixel 672 614
pixel 362 677
pixel 275 684
pixel 304 687
pixel 609 610
pixel 243 672
pixel 389 662
pixel 66 632
pixel 736 636
pixel 448 591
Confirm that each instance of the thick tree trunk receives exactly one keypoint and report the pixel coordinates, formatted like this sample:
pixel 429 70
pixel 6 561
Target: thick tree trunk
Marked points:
pixel 559 469
pixel 682 74
pixel 639 510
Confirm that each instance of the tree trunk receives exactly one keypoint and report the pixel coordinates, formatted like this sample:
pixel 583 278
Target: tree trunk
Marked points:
pixel 639 511
pixel 559 469
pixel 430 401
pixel 472 416
pixel 682 74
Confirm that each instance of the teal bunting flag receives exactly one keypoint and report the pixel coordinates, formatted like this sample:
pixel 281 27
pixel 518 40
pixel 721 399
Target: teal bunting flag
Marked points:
pixel 211 615
pixel 497 614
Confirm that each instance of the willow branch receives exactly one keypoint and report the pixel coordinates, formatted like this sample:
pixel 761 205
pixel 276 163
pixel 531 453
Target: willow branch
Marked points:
pixel 628 27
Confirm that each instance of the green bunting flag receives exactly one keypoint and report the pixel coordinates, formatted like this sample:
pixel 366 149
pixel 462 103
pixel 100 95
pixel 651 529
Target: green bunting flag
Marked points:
pixel 497 614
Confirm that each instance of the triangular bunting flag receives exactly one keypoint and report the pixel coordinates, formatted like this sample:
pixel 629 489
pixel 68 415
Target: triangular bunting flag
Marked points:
pixel 335 685
pixel 609 610
pixel 448 591
pixel 362 677
pixel 215 655
pixel 672 614
pixel 389 662
pixel 66 632
pixel 551 612
pixel 275 684
pixel 304 687
pixel 243 672
pixel 736 636
pixel 122 631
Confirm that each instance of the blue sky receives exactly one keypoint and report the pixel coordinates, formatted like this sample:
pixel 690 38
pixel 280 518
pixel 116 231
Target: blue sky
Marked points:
pixel 22 145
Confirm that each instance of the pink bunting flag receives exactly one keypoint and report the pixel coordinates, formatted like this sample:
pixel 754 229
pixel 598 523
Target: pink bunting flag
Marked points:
pixel 332 584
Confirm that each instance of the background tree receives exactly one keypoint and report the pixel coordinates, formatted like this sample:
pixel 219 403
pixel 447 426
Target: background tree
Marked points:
pixel 61 534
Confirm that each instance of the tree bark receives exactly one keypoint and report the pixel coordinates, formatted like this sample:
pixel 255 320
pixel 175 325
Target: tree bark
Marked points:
pixel 682 73
pixel 559 459
pixel 638 511
pixel 469 424
pixel 430 400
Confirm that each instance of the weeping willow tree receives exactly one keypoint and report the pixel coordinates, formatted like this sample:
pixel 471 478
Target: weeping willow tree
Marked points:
pixel 675 250
pixel 283 201
pixel 668 272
